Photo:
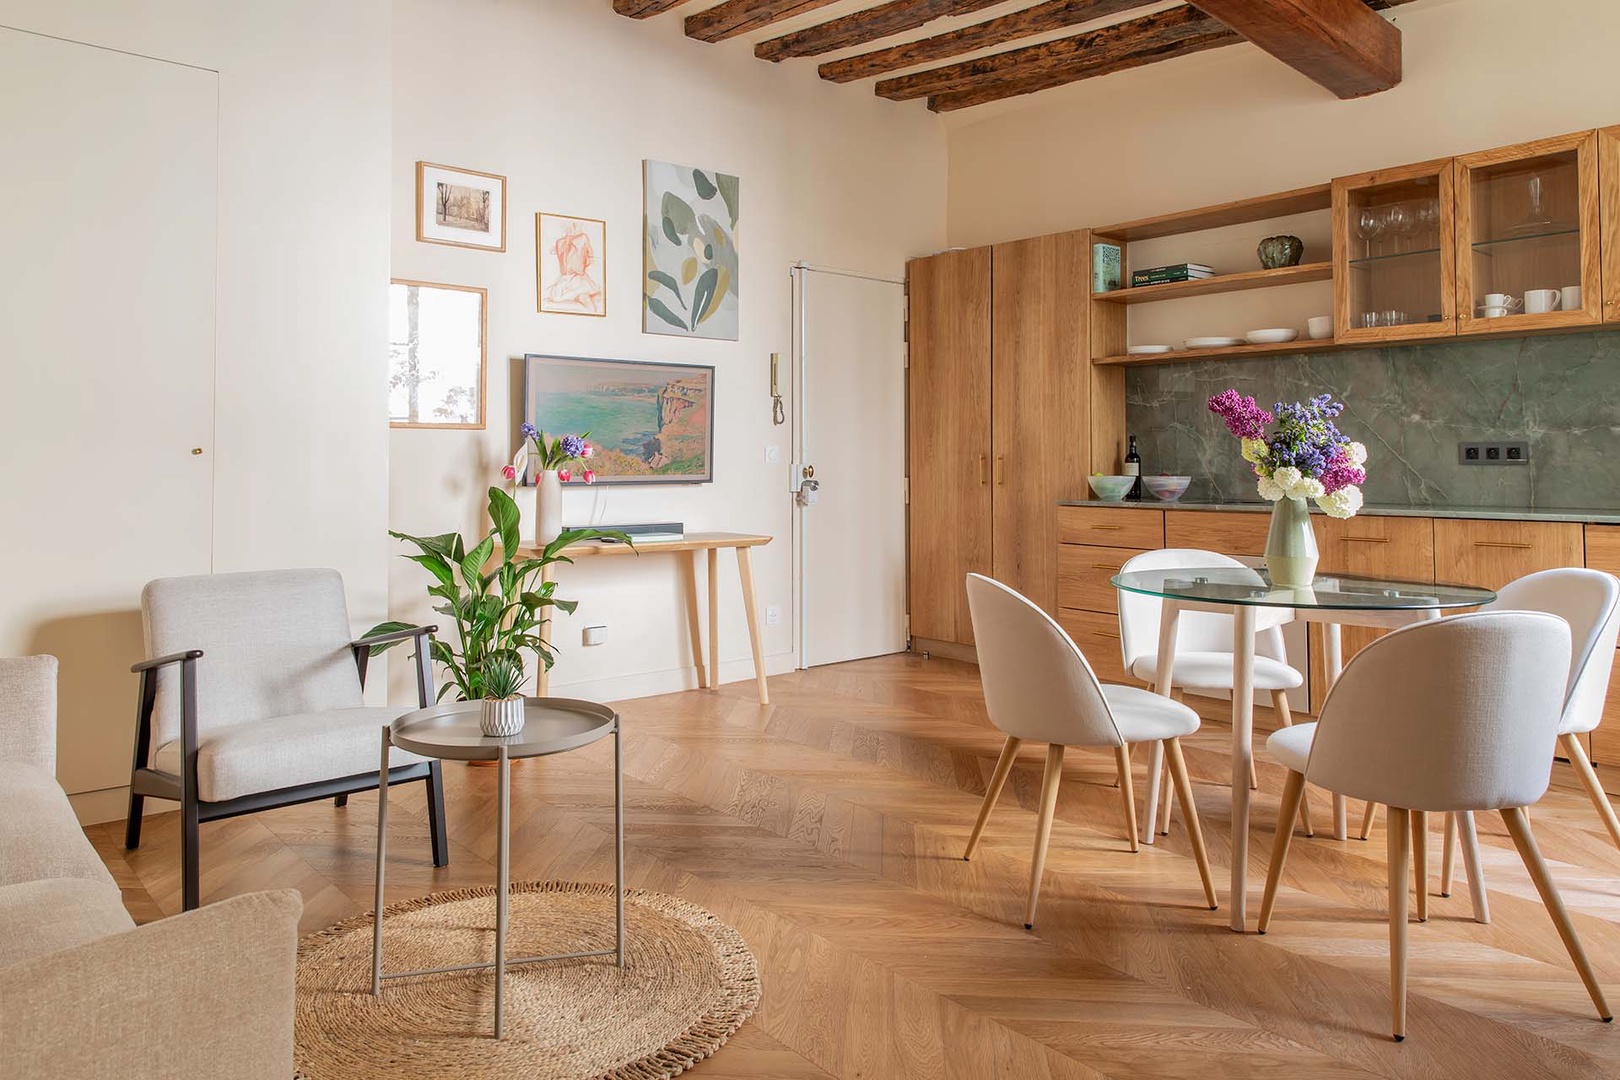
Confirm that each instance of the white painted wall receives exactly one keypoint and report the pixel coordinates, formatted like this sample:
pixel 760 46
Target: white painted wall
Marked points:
pixel 565 100
pixel 1233 122
pixel 301 455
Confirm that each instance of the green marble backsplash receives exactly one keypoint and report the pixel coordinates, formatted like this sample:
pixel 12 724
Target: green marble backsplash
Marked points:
pixel 1411 405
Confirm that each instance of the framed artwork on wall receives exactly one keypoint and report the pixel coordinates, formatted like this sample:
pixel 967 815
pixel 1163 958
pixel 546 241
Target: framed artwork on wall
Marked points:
pixel 570 265
pixel 689 283
pixel 436 355
pixel 460 207
pixel 650 423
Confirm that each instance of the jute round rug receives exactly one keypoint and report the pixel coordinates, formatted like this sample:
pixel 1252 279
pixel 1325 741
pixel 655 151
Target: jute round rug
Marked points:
pixel 688 982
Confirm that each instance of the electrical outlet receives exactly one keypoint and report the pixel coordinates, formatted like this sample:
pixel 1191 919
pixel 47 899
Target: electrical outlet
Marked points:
pixel 594 635
pixel 773 616
pixel 773 454
pixel 1493 453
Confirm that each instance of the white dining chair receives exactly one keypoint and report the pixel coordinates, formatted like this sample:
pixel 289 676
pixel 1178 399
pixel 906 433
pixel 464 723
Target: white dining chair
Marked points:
pixel 1038 687
pixel 1203 656
pixel 1449 716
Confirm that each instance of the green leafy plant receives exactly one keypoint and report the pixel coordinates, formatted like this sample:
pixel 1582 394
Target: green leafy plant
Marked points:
pixel 500 609
pixel 503 678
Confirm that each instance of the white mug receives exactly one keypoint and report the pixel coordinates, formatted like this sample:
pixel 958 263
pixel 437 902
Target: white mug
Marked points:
pixel 1493 312
pixel 1570 298
pixel 1320 327
pixel 1540 301
pixel 1500 300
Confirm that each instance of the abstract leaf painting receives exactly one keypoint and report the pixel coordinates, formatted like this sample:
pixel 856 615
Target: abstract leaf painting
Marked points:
pixel 690 252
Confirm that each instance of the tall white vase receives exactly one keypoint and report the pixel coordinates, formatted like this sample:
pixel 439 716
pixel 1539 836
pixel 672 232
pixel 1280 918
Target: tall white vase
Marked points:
pixel 548 499
pixel 1291 545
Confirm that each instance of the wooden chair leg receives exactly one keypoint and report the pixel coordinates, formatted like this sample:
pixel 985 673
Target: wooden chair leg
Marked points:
pixel 998 780
pixel 1156 793
pixel 1367 820
pixel 1293 793
pixel 1448 854
pixel 190 856
pixel 1594 789
pixel 132 826
pixel 1518 825
pixel 1189 811
pixel 1122 757
pixel 1050 782
pixel 1420 861
pixel 1398 833
pixel 1120 775
pixel 1468 840
pixel 340 801
pixel 435 807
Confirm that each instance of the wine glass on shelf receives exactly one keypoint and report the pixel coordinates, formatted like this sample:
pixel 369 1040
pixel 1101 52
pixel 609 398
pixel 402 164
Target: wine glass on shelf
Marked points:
pixel 1370 226
pixel 1401 220
pixel 1428 216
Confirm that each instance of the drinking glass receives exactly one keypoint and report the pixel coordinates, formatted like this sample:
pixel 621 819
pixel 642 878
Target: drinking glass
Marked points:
pixel 1370 226
pixel 1401 220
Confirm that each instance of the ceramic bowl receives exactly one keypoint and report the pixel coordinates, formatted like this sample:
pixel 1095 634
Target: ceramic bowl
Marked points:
pixel 1273 336
pixel 1111 488
pixel 1167 488
pixel 1320 326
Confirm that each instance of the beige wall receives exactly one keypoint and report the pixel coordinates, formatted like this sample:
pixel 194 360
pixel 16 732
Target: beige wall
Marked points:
pixel 1233 122
pixel 565 100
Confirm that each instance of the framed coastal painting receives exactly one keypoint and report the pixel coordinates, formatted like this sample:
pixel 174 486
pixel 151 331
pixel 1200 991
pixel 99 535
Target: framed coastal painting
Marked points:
pixel 650 423
pixel 436 355
pixel 460 207
pixel 689 280
pixel 570 265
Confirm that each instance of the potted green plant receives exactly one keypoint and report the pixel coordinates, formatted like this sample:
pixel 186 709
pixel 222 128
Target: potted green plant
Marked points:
pixel 500 711
pixel 499 608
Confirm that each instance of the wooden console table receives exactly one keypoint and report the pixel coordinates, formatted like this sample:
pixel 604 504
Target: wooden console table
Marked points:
pixel 697 544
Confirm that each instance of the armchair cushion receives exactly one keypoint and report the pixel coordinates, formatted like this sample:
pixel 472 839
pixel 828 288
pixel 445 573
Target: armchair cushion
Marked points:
pixel 28 710
pixel 39 917
pixel 275 643
pixel 285 751
pixel 39 834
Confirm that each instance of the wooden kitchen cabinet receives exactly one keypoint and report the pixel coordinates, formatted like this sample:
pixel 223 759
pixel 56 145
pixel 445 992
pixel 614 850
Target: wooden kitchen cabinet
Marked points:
pixel 1609 218
pixel 1094 542
pixel 1603 553
pixel 1228 532
pixel 1394 254
pixel 1085 576
pixel 1489 554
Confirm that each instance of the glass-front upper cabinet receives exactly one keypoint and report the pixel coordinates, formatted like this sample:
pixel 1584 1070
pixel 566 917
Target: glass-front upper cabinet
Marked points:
pixel 1394 254
pixel 1528 254
pixel 1609 212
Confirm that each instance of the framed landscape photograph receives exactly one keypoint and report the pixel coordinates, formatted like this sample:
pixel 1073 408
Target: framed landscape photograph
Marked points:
pixel 570 265
pixel 436 355
pixel 460 207
pixel 650 423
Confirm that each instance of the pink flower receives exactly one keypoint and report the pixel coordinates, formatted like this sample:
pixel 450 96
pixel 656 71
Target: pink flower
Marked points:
pixel 509 472
pixel 589 451
pixel 590 476
pixel 564 475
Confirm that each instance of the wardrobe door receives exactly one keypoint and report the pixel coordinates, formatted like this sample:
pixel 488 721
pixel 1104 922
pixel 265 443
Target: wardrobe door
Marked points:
pixel 1042 288
pixel 948 437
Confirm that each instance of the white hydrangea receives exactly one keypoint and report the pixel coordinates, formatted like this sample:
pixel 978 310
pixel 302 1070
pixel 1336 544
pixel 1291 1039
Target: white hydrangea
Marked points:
pixel 1357 453
pixel 1287 478
pixel 1253 450
pixel 1343 503
pixel 1270 490
pixel 1308 488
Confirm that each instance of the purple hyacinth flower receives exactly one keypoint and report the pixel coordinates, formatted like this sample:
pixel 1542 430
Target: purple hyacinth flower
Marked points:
pixel 573 445
pixel 529 431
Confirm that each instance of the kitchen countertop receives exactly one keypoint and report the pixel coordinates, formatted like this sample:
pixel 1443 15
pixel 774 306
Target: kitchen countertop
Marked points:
pixel 1488 513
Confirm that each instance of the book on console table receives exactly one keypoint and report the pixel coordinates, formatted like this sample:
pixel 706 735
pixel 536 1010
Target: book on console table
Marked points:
pixel 657 530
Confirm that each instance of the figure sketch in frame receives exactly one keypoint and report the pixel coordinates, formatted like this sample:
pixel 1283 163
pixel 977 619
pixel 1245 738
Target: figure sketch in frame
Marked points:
pixel 458 206
pixel 576 267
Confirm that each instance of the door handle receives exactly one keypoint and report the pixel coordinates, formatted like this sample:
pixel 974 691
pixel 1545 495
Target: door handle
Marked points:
pixel 1107 528
pixel 1366 539
pixel 1512 544
pixel 1001 473
pixel 1105 566
pixel 983 474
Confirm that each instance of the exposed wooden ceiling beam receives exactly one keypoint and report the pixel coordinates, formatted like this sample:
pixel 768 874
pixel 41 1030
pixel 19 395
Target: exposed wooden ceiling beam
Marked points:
pixel 1342 44
pixel 733 17
pixel 863 27
pixel 644 9
pixel 989 90
pixel 1040 19
pixel 1094 47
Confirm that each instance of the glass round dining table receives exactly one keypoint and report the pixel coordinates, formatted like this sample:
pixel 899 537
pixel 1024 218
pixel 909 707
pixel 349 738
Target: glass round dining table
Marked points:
pixel 1243 592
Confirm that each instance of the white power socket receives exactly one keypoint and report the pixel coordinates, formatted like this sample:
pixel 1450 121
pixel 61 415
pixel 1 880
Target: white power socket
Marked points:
pixel 595 635
pixel 773 454
pixel 773 616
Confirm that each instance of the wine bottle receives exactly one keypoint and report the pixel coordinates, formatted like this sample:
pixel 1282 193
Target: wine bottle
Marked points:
pixel 1133 467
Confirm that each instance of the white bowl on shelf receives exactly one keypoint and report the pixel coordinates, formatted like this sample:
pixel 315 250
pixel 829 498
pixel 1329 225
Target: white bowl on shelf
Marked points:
pixel 1167 488
pixel 1146 350
pixel 1273 336
pixel 1320 326
pixel 1111 488
pixel 1212 342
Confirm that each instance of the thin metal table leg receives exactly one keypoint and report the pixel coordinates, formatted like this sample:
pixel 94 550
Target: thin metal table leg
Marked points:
pixel 382 856
pixel 504 864
pixel 618 835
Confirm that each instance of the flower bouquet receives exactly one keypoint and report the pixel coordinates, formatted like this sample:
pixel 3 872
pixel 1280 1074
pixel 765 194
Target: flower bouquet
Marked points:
pixel 555 457
pixel 1305 457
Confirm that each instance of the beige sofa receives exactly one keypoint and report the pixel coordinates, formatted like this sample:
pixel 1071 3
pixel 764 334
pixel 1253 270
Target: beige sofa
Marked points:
pixel 86 993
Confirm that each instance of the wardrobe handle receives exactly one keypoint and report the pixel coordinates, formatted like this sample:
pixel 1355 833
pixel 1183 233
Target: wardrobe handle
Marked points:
pixel 1515 545
pixel 983 477
pixel 1367 539
pixel 1107 634
pixel 1001 473
pixel 1107 528
pixel 1105 566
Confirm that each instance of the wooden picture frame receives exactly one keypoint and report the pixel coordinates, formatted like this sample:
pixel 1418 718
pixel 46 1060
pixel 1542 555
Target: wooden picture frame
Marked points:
pixel 580 286
pixel 479 386
pixel 454 215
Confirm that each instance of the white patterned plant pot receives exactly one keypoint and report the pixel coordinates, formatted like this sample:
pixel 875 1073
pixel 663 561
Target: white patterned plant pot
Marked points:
pixel 501 718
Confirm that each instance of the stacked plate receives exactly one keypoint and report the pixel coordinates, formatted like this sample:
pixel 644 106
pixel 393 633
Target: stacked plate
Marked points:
pixel 1212 342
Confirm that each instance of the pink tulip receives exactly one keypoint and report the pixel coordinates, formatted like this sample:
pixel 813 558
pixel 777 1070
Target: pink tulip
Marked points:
pixel 590 476
pixel 590 451
pixel 509 472
pixel 564 475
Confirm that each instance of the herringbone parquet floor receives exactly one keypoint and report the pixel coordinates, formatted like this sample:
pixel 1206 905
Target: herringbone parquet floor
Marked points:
pixel 828 827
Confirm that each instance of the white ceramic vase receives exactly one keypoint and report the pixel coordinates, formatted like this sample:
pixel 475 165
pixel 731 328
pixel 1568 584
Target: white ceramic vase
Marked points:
pixel 548 498
pixel 501 717
pixel 1291 545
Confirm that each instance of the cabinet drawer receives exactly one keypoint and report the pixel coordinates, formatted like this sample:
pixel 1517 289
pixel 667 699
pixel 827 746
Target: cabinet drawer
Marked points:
pixel 1388 547
pixel 1603 547
pixel 1106 527
pixel 1083 573
pixel 1235 532
pixel 1098 638
pixel 1489 554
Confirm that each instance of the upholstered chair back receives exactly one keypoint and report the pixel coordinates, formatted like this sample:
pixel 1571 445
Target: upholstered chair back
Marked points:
pixel 1589 601
pixel 1455 714
pixel 1196 631
pixel 1037 684
pixel 275 643
pixel 28 711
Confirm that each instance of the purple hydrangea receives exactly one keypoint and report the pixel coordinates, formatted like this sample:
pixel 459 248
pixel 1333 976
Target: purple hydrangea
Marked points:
pixel 573 446
pixel 1341 474
pixel 1243 415
pixel 529 430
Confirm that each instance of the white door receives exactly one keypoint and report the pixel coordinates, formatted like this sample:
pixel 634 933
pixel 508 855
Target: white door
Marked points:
pixel 852 429
pixel 109 177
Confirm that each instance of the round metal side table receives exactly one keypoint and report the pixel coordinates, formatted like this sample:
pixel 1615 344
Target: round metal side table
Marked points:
pixel 450 732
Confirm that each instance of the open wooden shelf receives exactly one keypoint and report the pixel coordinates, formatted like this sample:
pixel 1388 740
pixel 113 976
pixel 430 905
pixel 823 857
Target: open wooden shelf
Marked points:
pixel 1221 283
pixel 1230 352
pixel 1240 212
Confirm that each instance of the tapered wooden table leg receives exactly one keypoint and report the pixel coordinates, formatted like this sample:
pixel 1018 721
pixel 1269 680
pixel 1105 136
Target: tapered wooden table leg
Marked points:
pixel 714 617
pixel 694 617
pixel 1242 756
pixel 745 570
